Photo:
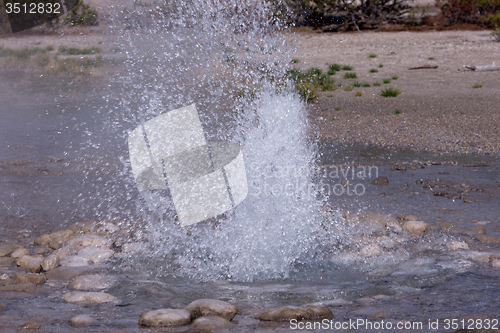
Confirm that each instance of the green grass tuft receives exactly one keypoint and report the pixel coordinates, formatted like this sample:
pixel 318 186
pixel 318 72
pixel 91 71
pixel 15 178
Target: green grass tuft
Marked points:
pixel 386 81
pixel 358 93
pixel 347 68
pixel 334 68
pixel 431 58
pixel 390 92
pixel 373 70
pixel 365 84
pixel 76 51
pixel 477 85
pixel 337 108
pixel 306 83
pixel 349 88
pixel 377 84
pixel 295 61
pixel 380 66
pixel 356 84
pixel 372 55
pixel 397 111
pixel 350 75
pixel 395 77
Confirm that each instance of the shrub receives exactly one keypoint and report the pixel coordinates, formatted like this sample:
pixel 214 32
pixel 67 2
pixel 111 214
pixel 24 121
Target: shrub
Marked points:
pixel 81 14
pixel 468 11
pixel 306 83
pixel 390 92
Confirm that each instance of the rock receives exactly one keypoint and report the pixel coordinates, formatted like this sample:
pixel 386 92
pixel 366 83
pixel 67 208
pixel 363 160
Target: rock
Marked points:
pixel 415 228
pixel 455 245
pixel 371 250
pixel 29 326
pixel 66 273
pixel 165 317
pixel 287 313
pixel 432 228
pixel 59 238
pixel 407 217
pixel 88 297
pixel 7 249
pixel 495 263
pixel 1 307
pixel 43 240
pixel 376 220
pixel 210 323
pixel 6 262
pixel 379 315
pixel 92 282
pixel 20 287
pixel 50 262
pixel 95 254
pixel 478 229
pixel 81 320
pixel 74 261
pixel 212 307
pixel 382 180
pixel 445 226
pixel 91 240
pixel 20 252
pixel 36 279
pixel 23 261
pixel 458 231
pixel 486 239
pixel 34 266
pixel 66 251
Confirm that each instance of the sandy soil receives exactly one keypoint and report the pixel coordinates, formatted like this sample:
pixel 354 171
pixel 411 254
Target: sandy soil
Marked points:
pixel 440 110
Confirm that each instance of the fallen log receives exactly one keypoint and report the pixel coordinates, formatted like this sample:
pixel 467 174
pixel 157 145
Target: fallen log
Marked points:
pixel 483 68
pixel 422 67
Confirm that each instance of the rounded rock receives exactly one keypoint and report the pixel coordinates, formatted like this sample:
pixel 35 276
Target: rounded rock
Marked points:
pixel 88 297
pixel 210 323
pixel 287 313
pixel 20 253
pixel 92 282
pixel 415 228
pixel 165 317
pixel 455 245
pixel 81 320
pixel 95 254
pixel 371 250
pixel 212 307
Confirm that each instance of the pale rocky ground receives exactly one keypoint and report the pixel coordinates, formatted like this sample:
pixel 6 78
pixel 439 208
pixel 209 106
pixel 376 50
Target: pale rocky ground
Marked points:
pixel 440 111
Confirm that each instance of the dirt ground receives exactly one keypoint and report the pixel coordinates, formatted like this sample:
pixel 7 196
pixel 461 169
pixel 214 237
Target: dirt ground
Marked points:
pixel 440 109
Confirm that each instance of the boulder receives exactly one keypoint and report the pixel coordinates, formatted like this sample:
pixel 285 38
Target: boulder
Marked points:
pixel 287 313
pixel 212 307
pixel 7 249
pixel 92 282
pixel 20 252
pixel 34 266
pixel 415 228
pixel 50 262
pixel 210 323
pixel 95 254
pixel 88 297
pixel 81 320
pixel 165 317
pixel 91 240
pixel 37 279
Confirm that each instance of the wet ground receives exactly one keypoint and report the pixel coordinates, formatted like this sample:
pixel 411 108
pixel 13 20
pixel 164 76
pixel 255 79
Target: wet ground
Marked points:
pixel 58 159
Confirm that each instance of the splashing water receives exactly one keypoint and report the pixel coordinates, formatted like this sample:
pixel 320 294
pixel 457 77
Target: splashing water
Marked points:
pixel 230 59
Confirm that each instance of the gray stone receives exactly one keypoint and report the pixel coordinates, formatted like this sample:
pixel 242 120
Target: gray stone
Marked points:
pixel 92 282
pixel 66 273
pixel 91 240
pixel 6 249
pixel 37 279
pixel 371 250
pixel 50 262
pixel 20 252
pixel 407 217
pixel 6 261
pixel 34 266
pixel 415 228
pixel 211 323
pixel 212 307
pixel 20 287
pixel 81 320
pixel 95 254
pixel 287 313
pixel 456 245
pixel 43 240
pixel 74 261
pixel 382 180
pixel 67 251
pixel 165 317
pixel 88 297
pixel 29 326
pixel 23 261
pixel 487 239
